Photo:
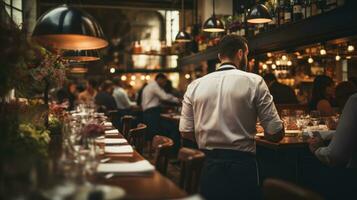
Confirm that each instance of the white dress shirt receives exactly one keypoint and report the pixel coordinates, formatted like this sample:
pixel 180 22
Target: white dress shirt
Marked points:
pixel 222 108
pixel 121 98
pixel 153 94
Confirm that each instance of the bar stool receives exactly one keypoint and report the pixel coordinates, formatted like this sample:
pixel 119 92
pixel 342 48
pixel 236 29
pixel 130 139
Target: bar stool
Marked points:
pixel 126 124
pixel 163 147
pixel 274 189
pixel 191 166
pixel 136 137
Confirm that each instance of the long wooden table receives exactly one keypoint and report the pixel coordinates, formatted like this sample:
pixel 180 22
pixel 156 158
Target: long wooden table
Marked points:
pixel 153 186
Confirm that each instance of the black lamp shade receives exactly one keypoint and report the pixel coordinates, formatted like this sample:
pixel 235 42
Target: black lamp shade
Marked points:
pixel 259 14
pixel 183 36
pixel 213 24
pixel 81 55
pixel 69 28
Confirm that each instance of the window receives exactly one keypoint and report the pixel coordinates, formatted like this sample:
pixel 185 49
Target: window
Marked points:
pixel 14 9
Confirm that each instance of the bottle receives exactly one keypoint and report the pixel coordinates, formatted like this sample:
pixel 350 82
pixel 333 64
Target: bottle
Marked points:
pixel 307 9
pixel 297 10
pixel 287 12
pixel 281 12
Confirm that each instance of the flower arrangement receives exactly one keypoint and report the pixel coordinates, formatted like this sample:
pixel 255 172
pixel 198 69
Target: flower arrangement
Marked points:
pixel 92 130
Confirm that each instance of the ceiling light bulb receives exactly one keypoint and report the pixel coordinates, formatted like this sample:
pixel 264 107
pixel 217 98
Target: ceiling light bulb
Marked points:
pixel 277 62
pixel 112 70
pixel 350 48
pixel 310 60
pixel 273 66
pixel 265 66
pixel 147 77
pixel 323 52
pixel 284 57
pixel 289 63
pixel 142 77
pixel 133 78
pixel 338 57
pixel 187 76
pixel 123 78
pixel 269 54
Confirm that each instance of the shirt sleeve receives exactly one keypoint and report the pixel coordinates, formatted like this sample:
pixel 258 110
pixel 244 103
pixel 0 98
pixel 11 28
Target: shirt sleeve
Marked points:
pixel 187 119
pixel 343 143
pixel 165 96
pixel 267 113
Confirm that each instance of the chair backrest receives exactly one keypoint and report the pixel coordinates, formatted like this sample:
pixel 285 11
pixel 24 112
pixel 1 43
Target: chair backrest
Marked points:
pixel 274 189
pixel 191 165
pixel 163 147
pixel 136 137
pixel 126 124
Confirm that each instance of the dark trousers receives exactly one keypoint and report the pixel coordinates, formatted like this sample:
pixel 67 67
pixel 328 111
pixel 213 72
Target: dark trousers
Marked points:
pixel 151 118
pixel 229 174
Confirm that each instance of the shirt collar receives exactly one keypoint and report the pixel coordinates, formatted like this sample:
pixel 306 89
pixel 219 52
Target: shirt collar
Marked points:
pixel 227 66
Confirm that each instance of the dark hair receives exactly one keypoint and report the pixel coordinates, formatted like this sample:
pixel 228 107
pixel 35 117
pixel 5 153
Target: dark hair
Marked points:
pixel 230 45
pixel 343 91
pixel 106 84
pixel 269 77
pixel 117 81
pixel 319 86
pixel 160 76
pixel 353 80
pixel 93 83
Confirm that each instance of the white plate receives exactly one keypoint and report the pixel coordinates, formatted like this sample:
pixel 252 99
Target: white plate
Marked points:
pixel 109 192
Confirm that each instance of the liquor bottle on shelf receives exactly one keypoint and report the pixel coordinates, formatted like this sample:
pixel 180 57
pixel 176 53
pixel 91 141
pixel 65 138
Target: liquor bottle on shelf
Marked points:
pixel 281 12
pixel 307 9
pixel 297 10
pixel 274 12
pixel 314 8
pixel 287 12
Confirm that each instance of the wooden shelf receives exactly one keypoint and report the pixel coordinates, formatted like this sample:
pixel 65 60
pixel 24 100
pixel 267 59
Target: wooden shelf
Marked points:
pixel 168 70
pixel 153 54
pixel 335 24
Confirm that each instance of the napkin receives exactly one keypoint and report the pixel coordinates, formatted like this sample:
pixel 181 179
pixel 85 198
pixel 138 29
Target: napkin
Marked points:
pixel 118 149
pixel 112 132
pixel 142 166
pixel 111 140
pixel 107 124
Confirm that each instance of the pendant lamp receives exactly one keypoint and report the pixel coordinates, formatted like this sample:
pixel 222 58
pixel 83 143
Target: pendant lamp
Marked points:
pixel 81 55
pixel 213 24
pixel 69 28
pixel 78 70
pixel 259 14
pixel 183 36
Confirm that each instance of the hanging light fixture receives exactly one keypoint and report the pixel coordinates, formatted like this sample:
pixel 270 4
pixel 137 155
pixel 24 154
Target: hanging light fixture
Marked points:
pixel 81 55
pixel 338 57
pixel 183 36
pixel 213 24
pixel 78 70
pixel 310 60
pixel 259 14
pixel 350 48
pixel 69 28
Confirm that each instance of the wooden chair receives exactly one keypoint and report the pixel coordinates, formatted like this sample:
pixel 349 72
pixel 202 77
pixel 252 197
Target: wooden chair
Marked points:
pixel 191 166
pixel 274 189
pixel 126 124
pixel 163 147
pixel 136 137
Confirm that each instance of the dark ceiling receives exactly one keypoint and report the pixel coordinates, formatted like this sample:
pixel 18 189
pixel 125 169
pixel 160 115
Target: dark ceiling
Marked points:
pixel 137 4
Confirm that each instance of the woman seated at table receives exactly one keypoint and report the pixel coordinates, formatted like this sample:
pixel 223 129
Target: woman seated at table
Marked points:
pixel 323 92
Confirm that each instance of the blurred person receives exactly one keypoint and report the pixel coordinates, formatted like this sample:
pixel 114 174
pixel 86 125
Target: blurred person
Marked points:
pixel 171 90
pixel 323 92
pixel 282 94
pixel 343 91
pixel 88 95
pixel 69 93
pixel 121 98
pixel 104 97
pixel 220 112
pixel 353 80
pixel 151 98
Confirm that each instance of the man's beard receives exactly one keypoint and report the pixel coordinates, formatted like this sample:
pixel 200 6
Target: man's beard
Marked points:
pixel 243 63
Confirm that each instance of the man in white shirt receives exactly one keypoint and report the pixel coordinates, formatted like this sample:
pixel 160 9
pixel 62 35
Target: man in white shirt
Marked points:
pixel 220 112
pixel 151 97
